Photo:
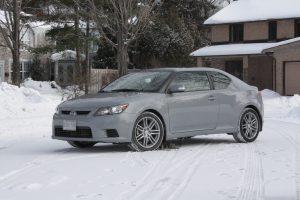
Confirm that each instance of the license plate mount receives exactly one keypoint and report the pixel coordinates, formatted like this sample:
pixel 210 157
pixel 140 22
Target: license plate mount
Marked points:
pixel 69 125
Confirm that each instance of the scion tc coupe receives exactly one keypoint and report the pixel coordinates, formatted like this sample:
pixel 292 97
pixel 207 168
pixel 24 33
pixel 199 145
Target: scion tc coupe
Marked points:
pixel 144 109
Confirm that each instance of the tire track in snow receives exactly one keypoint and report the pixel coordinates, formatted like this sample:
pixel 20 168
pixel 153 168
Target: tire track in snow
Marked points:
pixel 295 142
pixel 166 158
pixel 169 178
pixel 252 186
pixel 7 180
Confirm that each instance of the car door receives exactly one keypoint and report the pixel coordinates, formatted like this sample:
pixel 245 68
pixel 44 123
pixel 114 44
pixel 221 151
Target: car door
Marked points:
pixel 227 100
pixel 194 109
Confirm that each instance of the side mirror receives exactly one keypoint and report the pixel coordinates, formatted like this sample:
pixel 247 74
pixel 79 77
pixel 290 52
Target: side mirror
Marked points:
pixel 176 89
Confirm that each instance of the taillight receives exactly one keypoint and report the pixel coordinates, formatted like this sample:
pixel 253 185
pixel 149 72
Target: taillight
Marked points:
pixel 259 94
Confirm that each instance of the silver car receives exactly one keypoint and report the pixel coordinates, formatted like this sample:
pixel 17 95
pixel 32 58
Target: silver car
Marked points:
pixel 144 109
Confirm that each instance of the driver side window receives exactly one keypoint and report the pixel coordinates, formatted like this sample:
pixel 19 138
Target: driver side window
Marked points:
pixel 192 81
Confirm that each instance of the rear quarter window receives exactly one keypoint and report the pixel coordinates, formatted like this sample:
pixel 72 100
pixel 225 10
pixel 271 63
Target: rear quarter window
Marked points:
pixel 220 81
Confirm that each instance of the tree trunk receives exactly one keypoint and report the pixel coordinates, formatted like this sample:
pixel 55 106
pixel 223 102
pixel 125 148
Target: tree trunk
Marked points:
pixel 123 58
pixel 87 55
pixel 78 73
pixel 16 78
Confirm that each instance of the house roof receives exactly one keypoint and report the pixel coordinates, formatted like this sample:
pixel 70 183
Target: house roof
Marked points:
pixel 256 10
pixel 241 49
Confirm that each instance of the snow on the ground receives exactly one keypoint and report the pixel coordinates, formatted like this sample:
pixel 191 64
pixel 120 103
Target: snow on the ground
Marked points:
pixel 33 166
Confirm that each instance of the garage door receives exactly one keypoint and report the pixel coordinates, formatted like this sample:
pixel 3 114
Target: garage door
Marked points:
pixel 292 78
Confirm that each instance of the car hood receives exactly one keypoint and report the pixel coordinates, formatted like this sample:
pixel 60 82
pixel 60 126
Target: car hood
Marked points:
pixel 100 100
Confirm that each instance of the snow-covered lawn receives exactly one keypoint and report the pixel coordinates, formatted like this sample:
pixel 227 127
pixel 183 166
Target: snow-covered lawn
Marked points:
pixel 35 167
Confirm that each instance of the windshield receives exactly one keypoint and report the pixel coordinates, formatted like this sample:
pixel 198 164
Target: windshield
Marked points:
pixel 138 82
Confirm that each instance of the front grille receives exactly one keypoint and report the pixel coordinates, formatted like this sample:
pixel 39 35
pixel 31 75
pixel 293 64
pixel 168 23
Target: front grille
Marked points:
pixel 81 132
pixel 81 112
pixel 65 112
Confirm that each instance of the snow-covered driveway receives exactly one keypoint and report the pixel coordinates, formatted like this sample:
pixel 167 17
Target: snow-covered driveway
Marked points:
pixel 34 167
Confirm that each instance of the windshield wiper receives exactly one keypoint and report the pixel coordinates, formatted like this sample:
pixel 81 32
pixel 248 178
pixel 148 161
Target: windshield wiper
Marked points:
pixel 126 90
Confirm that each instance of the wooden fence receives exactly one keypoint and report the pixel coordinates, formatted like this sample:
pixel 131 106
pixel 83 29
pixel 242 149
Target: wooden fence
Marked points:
pixel 100 78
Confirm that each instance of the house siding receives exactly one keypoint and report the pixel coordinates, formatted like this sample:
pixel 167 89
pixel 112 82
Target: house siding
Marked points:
pixel 220 33
pixel 256 31
pixel 285 29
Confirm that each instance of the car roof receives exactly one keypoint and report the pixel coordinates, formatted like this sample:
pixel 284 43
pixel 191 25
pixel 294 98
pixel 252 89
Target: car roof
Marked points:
pixel 184 69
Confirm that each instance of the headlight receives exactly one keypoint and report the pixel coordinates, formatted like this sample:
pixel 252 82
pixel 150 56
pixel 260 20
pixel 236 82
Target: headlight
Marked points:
pixel 111 110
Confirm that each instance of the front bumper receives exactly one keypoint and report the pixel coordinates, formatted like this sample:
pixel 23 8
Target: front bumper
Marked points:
pixel 123 123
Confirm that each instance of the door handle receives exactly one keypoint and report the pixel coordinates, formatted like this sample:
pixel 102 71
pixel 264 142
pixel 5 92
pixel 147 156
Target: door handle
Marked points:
pixel 211 98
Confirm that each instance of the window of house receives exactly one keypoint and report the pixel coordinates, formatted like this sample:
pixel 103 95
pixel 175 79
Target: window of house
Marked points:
pixel 297 28
pixel 192 81
pixel 236 32
pixel 24 69
pixel 27 39
pixel 220 81
pixel 273 30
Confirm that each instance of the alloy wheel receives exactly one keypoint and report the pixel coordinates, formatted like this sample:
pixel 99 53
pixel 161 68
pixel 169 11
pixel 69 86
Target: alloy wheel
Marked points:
pixel 250 125
pixel 147 132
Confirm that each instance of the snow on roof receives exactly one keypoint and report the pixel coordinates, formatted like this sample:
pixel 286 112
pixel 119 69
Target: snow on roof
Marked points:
pixel 282 43
pixel 232 49
pixel 256 10
pixel 241 49
pixel 65 55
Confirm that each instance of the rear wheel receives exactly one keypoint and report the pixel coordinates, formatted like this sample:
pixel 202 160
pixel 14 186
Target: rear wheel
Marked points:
pixel 147 133
pixel 249 126
pixel 81 145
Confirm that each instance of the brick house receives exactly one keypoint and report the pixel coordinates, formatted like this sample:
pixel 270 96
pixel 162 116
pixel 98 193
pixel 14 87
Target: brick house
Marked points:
pixel 25 57
pixel 257 41
pixel 33 35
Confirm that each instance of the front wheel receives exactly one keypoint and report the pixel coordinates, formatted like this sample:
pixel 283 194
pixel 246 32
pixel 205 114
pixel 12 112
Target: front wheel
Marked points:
pixel 249 126
pixel 148 132
pixel 81 145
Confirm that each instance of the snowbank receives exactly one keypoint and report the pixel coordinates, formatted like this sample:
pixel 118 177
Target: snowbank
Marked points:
pixel 277 106
pixel 33 98
pixel 44 87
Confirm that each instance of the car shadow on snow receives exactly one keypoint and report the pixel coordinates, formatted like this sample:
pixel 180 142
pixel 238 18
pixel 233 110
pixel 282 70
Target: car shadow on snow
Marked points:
pixel 98 148
pixel 212 140
pixel 170 145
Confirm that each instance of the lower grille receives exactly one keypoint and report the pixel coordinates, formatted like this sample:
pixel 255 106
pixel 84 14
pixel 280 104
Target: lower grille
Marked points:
pixel 80 112
pixel 81 132
pixel 112 133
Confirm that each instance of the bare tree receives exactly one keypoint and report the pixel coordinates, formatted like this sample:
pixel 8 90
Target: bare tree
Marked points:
pixel 10 29
pixel 120 22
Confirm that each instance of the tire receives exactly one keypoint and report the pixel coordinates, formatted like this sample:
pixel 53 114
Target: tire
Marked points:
pixel 148 132
pixel 81 145
pixel 249 126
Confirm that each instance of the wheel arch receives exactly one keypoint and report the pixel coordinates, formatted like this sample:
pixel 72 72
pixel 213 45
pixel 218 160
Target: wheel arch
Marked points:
pixel 259 114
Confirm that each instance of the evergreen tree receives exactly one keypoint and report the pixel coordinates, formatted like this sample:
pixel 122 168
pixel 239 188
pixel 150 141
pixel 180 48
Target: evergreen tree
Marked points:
pixel 170 37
